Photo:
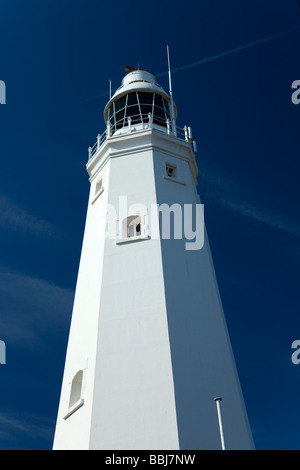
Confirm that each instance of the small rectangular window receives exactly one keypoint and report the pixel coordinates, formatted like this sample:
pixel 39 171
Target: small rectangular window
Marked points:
pixel 98 189
pixel 98 186
pixel 133 228
pixel 76 400
pixel 170 171
pixel 173 173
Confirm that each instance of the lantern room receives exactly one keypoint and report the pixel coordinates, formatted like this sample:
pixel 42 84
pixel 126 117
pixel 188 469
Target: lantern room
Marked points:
pixel 139 100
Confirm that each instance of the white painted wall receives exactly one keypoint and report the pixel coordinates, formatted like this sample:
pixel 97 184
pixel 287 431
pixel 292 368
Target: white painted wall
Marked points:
pixel 74 432
pixel 134 403
pixel 202 358
pixel 148 327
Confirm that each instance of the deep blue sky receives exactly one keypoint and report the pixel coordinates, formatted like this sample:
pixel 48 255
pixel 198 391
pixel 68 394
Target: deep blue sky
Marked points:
pixel 55 56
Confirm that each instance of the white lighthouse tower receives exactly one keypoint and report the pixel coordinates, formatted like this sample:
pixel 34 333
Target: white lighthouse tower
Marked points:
pixel 148 349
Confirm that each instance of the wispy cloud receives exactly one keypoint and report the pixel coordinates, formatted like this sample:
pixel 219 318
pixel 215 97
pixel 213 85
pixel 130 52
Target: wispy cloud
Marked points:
pixel 263 215
pixel 34 321
pixel 20 426
pixel 32 310
pixel 15 217
pixel 233 196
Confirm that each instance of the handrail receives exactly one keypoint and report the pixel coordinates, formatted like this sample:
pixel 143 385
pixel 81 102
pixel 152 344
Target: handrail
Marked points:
pixel 184 133
pixel 100 140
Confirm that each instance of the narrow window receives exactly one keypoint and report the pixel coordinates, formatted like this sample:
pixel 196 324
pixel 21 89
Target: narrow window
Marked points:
pixel 98 187
pixel 159 113
pixel 120 111
pixel 98 190
pixel 133 110
pixel 132 226
pixel 146 103
pixel 111 117
pixel 166 104
pixel 76 388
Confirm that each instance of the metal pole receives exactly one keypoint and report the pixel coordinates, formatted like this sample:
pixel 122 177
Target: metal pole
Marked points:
pixel 218 400
pixel 171 95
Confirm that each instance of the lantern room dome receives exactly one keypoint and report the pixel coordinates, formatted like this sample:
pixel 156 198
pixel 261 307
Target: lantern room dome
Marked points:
pixel 138 96
pixel 138 76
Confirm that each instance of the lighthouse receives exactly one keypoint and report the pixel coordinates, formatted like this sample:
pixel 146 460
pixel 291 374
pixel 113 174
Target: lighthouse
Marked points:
pixel 148 349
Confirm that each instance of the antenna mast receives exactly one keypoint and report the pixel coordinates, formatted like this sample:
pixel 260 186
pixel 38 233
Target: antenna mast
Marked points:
pixel 171 95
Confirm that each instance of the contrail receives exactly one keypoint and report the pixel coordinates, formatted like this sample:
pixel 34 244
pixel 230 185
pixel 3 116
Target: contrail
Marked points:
pixel 96 96
pixel 231 51
pixel 215 57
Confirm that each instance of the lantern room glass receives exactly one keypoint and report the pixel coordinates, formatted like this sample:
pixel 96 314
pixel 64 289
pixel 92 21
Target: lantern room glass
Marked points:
pixel 137 105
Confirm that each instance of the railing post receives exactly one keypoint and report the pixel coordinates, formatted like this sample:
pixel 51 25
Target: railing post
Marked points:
pixel 150 118
pixel 108 129
pixel 186 133
pixel 98 140
pixel 190 133
pixel 129 124
pixel 168 125
pixel 90 152
pixel 174 127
